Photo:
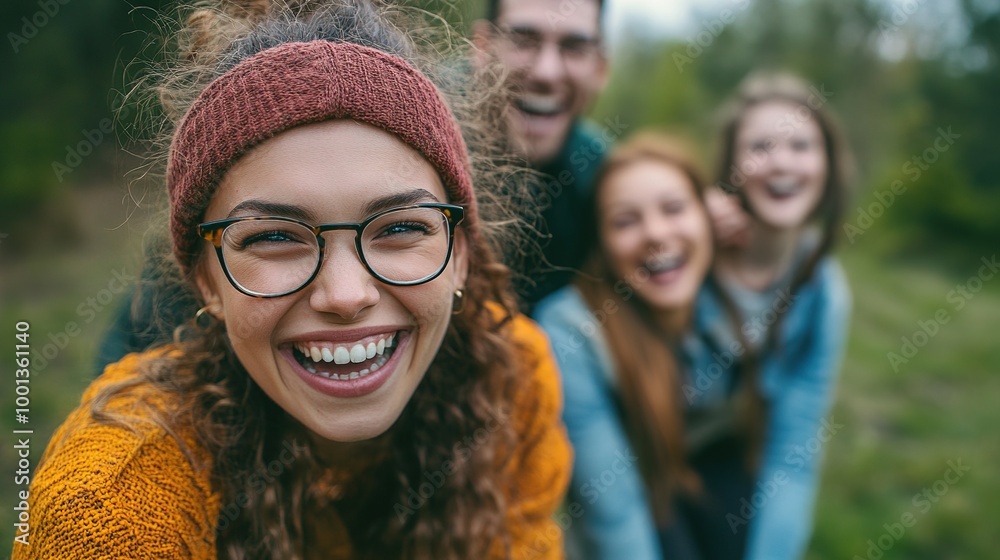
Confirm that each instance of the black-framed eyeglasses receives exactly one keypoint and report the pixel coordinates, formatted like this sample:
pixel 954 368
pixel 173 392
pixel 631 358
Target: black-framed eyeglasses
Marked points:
pixel 274 256
pixel 529 42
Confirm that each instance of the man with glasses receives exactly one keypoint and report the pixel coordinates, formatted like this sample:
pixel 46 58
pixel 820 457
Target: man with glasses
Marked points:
pixel 554 53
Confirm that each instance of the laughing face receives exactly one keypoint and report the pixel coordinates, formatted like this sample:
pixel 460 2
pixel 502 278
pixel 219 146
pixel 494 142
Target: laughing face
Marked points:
pixel 556 68
pixel 343 355
pixel 655 232
pixel 781 152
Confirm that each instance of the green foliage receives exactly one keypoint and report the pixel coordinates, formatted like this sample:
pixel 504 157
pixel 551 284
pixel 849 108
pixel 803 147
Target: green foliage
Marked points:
pixel 892 109
pixel 63 64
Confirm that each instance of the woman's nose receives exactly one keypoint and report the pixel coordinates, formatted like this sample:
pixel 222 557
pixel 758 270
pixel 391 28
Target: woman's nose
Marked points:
pixel 657 227
pixel 343 286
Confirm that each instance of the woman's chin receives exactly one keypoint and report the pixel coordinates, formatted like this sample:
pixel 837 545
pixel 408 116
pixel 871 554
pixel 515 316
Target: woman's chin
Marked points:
pixel 785 218
pixel 668 298
pixel 351 430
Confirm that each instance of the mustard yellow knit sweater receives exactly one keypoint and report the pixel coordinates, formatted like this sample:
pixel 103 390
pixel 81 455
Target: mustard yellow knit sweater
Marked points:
pixel 103 491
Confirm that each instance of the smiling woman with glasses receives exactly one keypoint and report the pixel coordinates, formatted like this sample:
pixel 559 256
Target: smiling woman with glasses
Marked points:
pixel 353 380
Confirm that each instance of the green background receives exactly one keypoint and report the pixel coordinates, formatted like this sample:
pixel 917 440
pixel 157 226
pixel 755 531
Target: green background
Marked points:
pixel 896 78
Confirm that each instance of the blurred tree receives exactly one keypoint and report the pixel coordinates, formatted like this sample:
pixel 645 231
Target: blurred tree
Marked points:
pixel 891 104
pixel 65 65
pixel 956 199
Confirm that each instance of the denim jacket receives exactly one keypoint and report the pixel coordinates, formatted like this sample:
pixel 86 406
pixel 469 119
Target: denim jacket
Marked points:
pixel 614 519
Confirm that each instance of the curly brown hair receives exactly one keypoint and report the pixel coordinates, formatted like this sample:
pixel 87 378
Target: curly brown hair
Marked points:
pixel 470 383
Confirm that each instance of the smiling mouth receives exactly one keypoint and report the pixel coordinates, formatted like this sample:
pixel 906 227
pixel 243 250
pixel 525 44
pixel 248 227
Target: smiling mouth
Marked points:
pixel 539 105
pixel 344 362
pixel 665 263
pixel 783 188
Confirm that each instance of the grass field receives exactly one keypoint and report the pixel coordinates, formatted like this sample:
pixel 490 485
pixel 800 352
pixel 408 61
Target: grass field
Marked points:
pixel 904 427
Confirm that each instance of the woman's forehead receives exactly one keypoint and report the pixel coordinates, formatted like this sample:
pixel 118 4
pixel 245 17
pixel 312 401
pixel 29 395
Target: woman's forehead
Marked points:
pixel 340 166
pixel 778 118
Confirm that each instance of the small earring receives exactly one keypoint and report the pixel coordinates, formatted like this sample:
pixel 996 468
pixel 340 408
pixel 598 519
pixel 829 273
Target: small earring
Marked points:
pixel 203 319
pixel 458 302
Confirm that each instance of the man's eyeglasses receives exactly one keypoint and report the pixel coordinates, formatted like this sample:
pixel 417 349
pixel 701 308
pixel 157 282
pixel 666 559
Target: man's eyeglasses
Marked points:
pixel 273 256
pixel 529 42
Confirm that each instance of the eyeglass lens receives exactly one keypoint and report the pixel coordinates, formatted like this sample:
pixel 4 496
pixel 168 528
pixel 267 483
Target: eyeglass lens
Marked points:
pixel 275 256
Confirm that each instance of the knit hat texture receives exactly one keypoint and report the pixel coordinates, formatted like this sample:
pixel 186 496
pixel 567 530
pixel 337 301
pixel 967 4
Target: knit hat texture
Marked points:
pixel 300 83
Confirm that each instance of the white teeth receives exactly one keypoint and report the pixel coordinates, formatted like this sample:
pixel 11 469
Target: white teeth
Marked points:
pixel 378 363
pixel 783 187
pixel 358 354
pixel 341 356
pixel 665 262
pixel 374 351
pixel 543 104
pixel 346 354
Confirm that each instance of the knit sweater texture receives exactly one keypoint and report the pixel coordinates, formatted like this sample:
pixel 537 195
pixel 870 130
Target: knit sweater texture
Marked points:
pixel 104 491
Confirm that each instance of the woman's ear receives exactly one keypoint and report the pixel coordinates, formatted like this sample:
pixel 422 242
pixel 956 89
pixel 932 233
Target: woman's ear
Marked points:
pixel 483 37
pixel 209 291
pixel 460 254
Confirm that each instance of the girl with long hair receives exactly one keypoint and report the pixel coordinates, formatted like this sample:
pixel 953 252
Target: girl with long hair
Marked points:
pixel 786 168
pixel 618 335
pixel 722 396
pixel 354 380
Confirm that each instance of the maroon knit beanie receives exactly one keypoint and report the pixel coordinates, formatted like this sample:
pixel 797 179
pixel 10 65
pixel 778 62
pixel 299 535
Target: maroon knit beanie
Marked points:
pixel 300 83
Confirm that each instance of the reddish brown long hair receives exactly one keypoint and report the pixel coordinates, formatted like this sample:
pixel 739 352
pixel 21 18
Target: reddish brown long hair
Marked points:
pixel 645 366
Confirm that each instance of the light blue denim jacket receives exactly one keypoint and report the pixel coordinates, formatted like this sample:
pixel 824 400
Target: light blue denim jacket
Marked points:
pixel 616 521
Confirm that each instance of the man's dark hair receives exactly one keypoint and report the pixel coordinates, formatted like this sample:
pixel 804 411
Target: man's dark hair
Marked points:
pixel 493 10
